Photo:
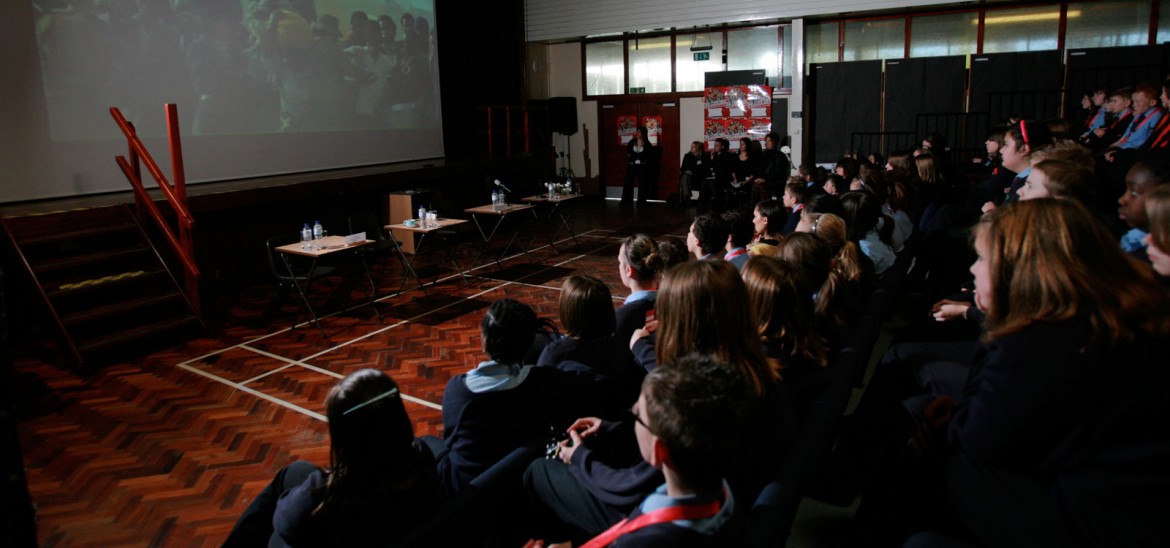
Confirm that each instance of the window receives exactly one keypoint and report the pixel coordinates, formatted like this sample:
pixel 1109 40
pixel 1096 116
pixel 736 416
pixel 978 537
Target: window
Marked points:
pixel 881 39
pixel 939 35
pixel 649 64
pixel 755 48
pixel 787 57
pixel 1021 29
pixel 605 68
pixel 688 73
pixel 820 43
pixel 1107 24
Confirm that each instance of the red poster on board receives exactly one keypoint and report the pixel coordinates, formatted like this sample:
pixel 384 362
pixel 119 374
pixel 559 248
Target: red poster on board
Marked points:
pixel 653 127
pixel 627 127
pixel 735 112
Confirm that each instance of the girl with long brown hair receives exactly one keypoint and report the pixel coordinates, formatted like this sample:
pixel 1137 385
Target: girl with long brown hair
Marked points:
pixel 1058 433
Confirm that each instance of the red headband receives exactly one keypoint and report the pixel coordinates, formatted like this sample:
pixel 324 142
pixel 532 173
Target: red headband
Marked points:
pixel 1024 132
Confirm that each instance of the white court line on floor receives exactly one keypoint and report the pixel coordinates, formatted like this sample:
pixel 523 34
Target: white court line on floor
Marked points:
pixel 289 362
pixel 256 393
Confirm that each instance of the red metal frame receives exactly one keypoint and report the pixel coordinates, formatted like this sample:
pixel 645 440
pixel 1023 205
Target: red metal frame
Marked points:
pixel 176 194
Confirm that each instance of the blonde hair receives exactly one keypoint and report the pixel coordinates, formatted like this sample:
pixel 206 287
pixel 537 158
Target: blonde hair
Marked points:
pixel 1158 212
pixel 831 229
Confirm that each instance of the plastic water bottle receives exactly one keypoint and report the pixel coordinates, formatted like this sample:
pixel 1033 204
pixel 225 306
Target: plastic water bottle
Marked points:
pixel 318 231
pixel 306 237
pixel 495 200
pixel 422 216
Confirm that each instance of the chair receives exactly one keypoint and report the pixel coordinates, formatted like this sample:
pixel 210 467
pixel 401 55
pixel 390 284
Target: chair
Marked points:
pixel 290 275
pixel 364 221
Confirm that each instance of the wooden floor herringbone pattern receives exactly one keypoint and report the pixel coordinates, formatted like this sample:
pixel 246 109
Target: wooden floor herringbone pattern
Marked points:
pixel 168 450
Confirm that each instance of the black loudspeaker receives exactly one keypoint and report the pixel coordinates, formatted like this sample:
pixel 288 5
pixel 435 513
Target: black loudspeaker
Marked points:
pixel 562 115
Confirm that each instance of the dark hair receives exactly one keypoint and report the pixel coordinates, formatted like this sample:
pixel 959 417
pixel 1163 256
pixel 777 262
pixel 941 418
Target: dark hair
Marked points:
pixel 1032 133
pixel 776 214
pixel 825 203
pixel 371 443
pixel 798 190
pixel 850 165
pixel 645 256
pixel 739 227
pixel 712 232
pixel 508 328
pixel 863 212
pixel 586 308
pixel 812 257
pixel 774 136
pixel 696 407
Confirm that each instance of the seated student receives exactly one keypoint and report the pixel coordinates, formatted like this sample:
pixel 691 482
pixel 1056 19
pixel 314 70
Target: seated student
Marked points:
pixel 768 218
pixel 836 302
pixel 1058 179
pixel 379 484
pixel 848 260
pixel 503 404
pixel 796 193
pixel 1054 436
pixel 1019 143
pixel 1120 115
pixel 641 262
pixel 739 235
pixel 1148 173
pixel 1160 136
pixel 701 308
pixel 1158 240
pixel 589 348
pixel 1146 114
pixel 694 170
pixel 778 294
pixel 863 214
pixel 708 236
pixel 835 185
pixel 684 427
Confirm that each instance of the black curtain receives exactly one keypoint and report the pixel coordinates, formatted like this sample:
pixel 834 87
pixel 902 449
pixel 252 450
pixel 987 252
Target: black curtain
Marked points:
pixel 1003 84
pixel 925 95
pixel 846 98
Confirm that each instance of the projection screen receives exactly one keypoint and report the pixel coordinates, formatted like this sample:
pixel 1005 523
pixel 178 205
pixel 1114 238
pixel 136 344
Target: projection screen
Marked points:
pixel 263 87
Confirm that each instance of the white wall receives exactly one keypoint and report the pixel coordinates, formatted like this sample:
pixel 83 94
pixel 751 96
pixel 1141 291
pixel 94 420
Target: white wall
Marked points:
pixel 564 73
pixel 561 19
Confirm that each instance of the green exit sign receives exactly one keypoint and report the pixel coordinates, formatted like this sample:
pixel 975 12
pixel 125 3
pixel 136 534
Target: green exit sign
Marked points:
pixel 703 56
pixel 638 90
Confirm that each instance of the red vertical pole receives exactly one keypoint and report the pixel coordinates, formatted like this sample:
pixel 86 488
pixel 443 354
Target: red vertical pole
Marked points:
pixel 178 176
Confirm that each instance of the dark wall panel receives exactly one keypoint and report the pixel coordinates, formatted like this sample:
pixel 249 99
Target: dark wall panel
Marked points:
pixel 1024 82
pixel 925 85
pixel 846 98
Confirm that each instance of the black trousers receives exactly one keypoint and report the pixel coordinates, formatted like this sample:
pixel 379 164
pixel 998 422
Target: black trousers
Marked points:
pixel 569 511
pixel 254 527
pixel 647 185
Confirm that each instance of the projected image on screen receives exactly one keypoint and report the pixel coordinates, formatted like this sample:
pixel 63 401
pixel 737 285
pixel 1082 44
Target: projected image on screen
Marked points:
pixel 239 67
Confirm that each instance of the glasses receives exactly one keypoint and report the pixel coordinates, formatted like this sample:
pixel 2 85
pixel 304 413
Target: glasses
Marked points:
pixel 638 418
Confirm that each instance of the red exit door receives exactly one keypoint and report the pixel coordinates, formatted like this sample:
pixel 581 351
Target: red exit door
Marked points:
pixel 613 151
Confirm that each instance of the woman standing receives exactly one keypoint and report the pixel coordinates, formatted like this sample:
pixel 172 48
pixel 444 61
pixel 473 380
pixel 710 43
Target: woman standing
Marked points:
pixel 642 157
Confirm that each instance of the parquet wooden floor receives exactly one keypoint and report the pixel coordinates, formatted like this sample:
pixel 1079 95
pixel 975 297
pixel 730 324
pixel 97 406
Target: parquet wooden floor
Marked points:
pixel 168 449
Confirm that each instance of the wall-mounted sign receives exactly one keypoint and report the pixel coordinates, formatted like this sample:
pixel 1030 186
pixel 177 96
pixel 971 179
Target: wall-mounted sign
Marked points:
pixel 703 56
